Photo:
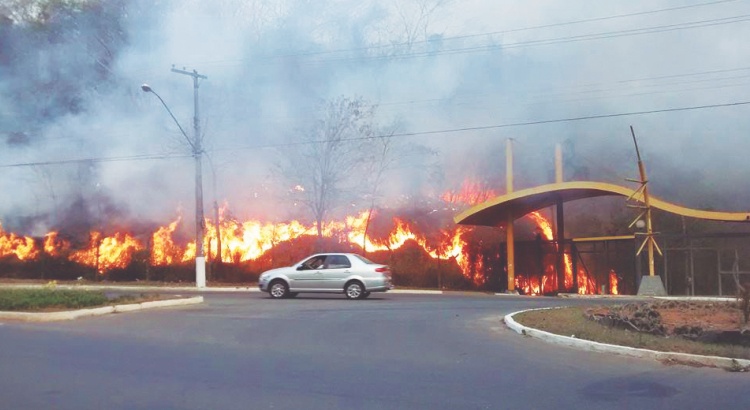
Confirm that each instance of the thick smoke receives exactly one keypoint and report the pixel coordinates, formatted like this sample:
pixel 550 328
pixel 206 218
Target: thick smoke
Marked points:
pixel 70 76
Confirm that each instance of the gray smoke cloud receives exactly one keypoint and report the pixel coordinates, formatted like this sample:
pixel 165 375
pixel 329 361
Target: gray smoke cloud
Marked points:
pixel 73 93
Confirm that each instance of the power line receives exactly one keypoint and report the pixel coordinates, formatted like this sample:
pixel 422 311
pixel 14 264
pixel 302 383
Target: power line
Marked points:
pixel 590 20
pixel 406 134
pixel 549 41
pixel 486 34
pixel 144 157
pixel 497 126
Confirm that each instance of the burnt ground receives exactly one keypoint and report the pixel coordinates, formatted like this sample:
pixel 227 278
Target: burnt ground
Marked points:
pixel 710 322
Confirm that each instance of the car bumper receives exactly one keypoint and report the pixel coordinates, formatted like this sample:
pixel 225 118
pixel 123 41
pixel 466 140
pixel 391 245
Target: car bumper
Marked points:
pixel 379 287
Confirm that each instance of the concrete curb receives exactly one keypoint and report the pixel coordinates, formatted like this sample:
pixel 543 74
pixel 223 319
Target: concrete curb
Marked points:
pixel 416 292
pixel 134 288
pixel 714 361
pixel 254 289
pixel 75 314
pixel 251 289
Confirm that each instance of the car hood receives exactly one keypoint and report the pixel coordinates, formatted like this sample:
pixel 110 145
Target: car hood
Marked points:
pixel 278 270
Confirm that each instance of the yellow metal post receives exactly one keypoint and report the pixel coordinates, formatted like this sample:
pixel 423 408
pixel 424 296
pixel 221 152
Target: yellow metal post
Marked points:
pixel 560 223
pixel 509 237
pixel 558 164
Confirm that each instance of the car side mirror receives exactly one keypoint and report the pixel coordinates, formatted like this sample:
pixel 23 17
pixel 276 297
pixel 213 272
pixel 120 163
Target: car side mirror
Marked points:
pixel 301 267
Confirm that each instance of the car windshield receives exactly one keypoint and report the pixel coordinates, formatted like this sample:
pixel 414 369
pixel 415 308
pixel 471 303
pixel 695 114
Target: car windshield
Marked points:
pixel 365 260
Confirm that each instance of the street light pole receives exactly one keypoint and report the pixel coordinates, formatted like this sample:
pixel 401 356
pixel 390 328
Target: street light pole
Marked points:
pixel 197 150
pixel 200 222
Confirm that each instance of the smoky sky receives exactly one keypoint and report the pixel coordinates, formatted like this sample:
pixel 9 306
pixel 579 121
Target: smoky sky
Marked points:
pixel 540 73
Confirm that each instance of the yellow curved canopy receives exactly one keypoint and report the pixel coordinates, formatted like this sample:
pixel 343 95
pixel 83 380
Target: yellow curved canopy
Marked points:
pixel 496 211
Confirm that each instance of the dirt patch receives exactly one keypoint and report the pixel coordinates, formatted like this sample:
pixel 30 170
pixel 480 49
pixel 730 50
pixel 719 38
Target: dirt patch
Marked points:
pixel 709 322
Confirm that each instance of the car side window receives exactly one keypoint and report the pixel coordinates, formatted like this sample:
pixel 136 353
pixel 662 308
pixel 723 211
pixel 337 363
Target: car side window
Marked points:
pixel 338 262
pixel 315 262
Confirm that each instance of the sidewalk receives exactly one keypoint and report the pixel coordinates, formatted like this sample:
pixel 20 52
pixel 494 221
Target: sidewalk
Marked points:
pixel 582 344
pixel 104 310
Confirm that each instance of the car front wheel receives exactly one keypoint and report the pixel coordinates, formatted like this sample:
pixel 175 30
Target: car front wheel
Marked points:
pixel 354 290
pixel 278 290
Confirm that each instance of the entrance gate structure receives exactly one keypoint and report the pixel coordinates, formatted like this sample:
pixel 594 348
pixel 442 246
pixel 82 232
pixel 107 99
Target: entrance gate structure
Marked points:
pixel 501 211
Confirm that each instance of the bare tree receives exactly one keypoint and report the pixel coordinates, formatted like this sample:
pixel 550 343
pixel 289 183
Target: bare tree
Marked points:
pixel 409 25
pixel 320 164
pixel 388 154
pixel 415 18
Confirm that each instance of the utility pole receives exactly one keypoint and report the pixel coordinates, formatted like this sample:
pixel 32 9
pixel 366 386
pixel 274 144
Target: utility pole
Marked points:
pixel 197 145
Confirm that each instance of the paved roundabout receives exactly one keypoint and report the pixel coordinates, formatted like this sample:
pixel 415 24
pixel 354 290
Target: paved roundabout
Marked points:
pixel 393 351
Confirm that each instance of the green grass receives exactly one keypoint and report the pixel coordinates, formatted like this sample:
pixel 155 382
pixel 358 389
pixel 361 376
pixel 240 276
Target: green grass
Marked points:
pixel 572 322
pixel 47 299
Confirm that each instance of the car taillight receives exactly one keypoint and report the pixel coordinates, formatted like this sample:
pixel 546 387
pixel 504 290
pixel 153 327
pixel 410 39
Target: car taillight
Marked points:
pixel 382 269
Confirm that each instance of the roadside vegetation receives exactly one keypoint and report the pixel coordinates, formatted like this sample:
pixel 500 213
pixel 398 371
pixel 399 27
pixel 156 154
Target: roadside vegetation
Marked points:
pixel 51 299
pixel 572 321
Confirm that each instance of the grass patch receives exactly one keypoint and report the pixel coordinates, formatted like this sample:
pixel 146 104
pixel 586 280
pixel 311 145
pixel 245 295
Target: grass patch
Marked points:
pixel 570 321
pixel 50 299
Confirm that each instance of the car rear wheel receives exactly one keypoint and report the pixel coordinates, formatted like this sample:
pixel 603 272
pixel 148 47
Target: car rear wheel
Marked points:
pixel 278 290
pixel 354 290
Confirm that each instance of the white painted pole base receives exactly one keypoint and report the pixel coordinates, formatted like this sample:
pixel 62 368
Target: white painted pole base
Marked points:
pixel 200 272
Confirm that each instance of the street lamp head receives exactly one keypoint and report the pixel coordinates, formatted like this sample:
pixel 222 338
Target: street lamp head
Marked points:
pixel 640 224
pixel 146 88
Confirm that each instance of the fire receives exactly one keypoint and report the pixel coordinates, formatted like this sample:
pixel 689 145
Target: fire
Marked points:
pixel 532 285
pixel 548 283
pixel 400 234
pixel 53 246
pixel 242 241
pixel 22 247
pixel 164 251
pixel 586 284
pixel 249 240
pixel 470 193
pixel 613 282
pixel 544 225
pixel 107 253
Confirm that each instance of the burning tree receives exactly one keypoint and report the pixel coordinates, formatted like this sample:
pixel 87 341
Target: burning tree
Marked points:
pixel 322 163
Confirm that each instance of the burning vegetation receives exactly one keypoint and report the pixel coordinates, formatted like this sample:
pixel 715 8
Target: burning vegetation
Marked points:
pixel 420 254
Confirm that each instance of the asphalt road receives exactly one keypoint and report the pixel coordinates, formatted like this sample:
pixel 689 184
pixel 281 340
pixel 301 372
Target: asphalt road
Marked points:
pixel 392 351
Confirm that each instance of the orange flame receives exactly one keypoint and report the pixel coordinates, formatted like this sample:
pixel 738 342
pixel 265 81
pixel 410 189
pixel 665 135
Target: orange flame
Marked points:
pixel 470 193
pixel 22 247
pixel 107 253
pixel 54 246
pixel 531 286
pixel 586 284
pixel 164 251
pixel 249 240
pixel 242 241
pixel 613 282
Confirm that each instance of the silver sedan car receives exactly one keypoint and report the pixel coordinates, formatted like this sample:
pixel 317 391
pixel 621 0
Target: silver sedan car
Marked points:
pixel 347 273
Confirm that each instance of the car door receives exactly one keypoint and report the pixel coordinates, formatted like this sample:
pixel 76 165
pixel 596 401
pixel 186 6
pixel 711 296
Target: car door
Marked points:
pixel 308 274
pixel 336 269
